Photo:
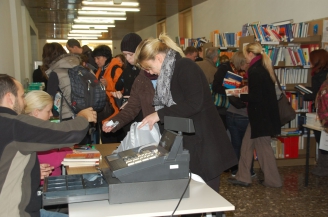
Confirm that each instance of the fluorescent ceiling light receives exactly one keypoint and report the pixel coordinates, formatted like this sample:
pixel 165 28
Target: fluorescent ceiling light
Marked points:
pixel 87 31
pixel 110 3
pixel 97 41
pixel 115 13
pixel 77 34
pixel 109 9
pixel 82 37
pixel 100 18
pixel 94 21
pixel 90 26
pixel 56 40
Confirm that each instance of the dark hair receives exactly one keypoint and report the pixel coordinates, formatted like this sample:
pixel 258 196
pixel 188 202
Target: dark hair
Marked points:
pixel 200 49
pixel 103 50
pixel 7 84
pixel 122 57
pixel 73 42
pixel 50 52
pixel 224 58
pixel 319 60
pixel 190 50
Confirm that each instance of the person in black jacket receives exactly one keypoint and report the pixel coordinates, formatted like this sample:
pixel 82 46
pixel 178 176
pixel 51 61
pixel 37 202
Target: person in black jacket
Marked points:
pixel 130 72
pixel 263 113
pixel 217 87
pixel 182 91
pixel 319 63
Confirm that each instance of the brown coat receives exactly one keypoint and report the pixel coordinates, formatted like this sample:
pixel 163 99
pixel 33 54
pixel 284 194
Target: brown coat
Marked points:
pixel 141 98
pixel 209 69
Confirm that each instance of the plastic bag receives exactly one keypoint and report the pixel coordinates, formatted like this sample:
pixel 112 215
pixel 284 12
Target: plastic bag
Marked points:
pixel 138 137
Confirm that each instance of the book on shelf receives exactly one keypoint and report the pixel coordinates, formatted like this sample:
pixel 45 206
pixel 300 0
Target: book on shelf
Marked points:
pixel 284 22
pixel 232 80
pixel 303 89
pixel 290 132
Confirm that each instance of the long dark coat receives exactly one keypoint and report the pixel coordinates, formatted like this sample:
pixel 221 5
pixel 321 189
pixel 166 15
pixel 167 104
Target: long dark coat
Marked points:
pixel 210 149
pixel 262 106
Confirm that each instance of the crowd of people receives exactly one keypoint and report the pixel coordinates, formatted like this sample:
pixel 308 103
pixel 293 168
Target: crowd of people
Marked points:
pixel 150 79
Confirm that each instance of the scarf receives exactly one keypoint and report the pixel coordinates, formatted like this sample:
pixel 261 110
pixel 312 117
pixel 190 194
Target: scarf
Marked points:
pixel 254 60
pixel 163 95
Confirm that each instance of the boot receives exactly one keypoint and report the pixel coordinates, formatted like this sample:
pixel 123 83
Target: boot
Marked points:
pixel 322 166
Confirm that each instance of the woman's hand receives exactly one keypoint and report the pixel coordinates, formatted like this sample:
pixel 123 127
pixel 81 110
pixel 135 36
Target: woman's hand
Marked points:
pixel 45 170
pixel 117 94
pixel 105 128
pixel 244 90
pixel 150 120
pixel 103 81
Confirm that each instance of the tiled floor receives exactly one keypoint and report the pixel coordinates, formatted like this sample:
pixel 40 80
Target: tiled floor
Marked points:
pixel 293 199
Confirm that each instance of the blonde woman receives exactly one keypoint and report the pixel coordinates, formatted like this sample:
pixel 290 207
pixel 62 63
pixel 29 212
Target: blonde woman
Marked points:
pixel 39 104
pixel 264 121
pixel 182 91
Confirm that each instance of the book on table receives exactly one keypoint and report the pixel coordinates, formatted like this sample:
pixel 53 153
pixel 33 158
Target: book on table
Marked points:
pixel 80 159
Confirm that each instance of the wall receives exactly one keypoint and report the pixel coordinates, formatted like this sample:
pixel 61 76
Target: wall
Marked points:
pixel 229 16
pixel 15 43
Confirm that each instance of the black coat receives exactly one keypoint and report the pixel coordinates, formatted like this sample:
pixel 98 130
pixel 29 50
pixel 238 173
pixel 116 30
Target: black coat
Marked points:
pixel 219 76
pixel 127 78
pixel 210 149
pixel 262 101
pixel 316 82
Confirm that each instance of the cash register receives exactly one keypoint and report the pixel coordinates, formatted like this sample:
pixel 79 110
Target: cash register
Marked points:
pixel 146 173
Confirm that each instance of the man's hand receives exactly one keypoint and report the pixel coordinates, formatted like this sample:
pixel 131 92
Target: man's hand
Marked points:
pixel 103 81
pixel 45 170
pixel 88 114
pixel 150 120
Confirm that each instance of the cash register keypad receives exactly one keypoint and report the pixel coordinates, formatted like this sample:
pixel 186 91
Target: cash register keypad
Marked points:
pixel 140 157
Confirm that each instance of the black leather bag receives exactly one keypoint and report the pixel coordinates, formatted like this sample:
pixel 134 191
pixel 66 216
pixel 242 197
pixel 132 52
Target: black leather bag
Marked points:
pixel 286 111
pixel 236 102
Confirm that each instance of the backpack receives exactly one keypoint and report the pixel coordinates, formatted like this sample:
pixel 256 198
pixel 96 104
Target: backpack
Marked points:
pixel 86 90
pixel 322 104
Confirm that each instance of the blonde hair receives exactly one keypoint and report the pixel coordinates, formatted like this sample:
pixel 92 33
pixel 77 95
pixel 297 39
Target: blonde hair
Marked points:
pixel 149 48
pixel 37 99
pixel 256 49
pixel 238 60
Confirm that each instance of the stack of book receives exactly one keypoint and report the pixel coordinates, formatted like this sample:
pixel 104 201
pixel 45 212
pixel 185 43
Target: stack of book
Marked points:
pixel 82 158
pixel 232 82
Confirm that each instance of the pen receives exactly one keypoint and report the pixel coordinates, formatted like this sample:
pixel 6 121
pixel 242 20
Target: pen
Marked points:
pixel 82 148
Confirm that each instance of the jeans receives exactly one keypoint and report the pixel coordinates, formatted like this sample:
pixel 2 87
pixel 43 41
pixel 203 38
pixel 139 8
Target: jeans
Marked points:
pixel 45 213
pixel 237 125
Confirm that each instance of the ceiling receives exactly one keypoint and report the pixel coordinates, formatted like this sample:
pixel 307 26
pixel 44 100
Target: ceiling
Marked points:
pixel 53 18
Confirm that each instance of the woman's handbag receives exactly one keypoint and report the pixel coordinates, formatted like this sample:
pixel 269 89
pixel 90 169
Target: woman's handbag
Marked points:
pixel 220 100
pixel 286 111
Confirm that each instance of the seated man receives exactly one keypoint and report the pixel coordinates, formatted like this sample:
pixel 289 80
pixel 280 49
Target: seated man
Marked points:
pixel 21 137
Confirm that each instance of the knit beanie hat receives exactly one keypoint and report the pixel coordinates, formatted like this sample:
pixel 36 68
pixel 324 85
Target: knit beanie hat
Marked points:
pixel 130 42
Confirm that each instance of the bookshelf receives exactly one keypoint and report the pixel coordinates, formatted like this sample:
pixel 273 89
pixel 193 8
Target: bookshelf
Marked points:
pixel 295 40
